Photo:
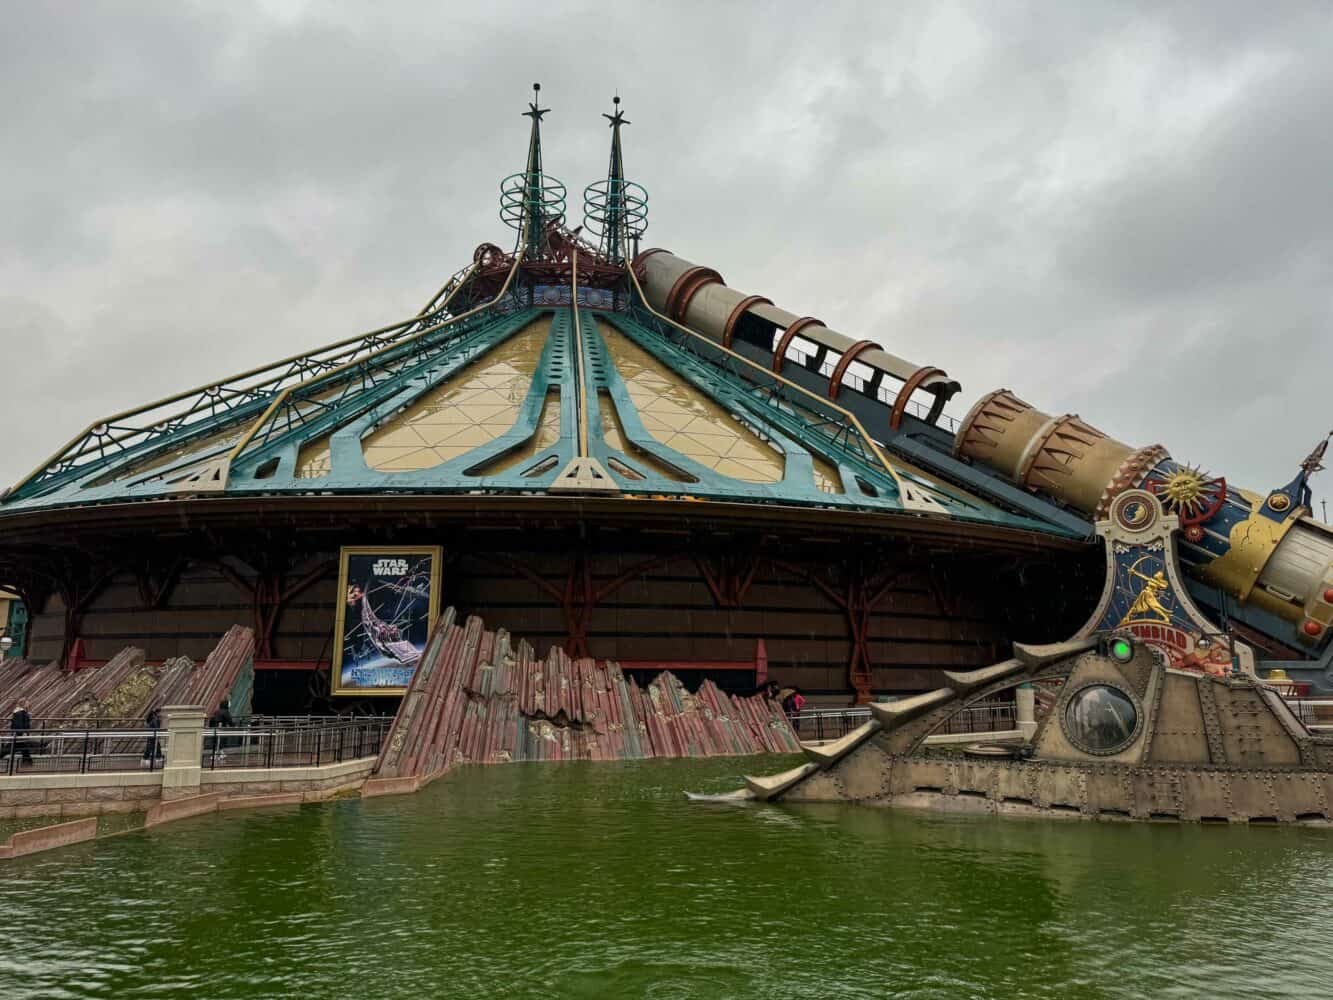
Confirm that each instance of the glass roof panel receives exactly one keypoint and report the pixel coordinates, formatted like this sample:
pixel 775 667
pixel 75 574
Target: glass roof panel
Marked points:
pixel 470 410
pixel 683 418
pixel 614 436
pixel 547 434
pixel 827 478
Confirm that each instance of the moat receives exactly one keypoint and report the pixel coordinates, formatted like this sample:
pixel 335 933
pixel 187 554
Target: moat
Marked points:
pixel 599 880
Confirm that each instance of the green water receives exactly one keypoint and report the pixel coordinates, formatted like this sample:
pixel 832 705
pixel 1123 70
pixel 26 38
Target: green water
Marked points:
pixel 598 880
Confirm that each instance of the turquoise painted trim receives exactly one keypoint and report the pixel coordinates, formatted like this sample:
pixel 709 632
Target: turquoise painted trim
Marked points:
pixel 348 468
pixel 396 366
pixel 70 486
pixel 221 400
pixel 395 393
pixel 767 410
pixel 795 438
pixel 374 395
pixel 797 481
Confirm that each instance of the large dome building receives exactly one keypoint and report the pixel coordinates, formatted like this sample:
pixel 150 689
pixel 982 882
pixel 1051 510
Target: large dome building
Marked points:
pixel 598 446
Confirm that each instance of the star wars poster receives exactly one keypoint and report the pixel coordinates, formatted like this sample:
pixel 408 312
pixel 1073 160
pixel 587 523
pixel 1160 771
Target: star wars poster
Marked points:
pixel 389 598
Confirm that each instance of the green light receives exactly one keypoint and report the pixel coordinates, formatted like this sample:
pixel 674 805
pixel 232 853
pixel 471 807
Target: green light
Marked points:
pixel 1122 650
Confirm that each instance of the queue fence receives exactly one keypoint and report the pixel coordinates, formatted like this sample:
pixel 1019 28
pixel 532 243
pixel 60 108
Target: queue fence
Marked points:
pixel 81 750
pixel 293 746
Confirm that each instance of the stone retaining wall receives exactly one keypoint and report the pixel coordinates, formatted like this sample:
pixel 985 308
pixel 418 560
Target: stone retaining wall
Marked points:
pixel 329 778
pixel 79 795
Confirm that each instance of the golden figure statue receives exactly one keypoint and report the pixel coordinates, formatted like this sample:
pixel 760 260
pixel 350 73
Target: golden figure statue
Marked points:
pixel 1148 603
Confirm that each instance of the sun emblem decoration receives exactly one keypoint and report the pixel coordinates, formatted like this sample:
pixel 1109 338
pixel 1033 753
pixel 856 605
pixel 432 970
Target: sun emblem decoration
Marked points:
pixel 1189 493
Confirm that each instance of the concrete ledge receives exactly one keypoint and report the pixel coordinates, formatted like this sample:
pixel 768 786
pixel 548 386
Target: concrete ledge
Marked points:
pixel 259 801
pixel 332 792
pixel 375 787
pixel 167 812
pixel 399 786
pixel 46 838
pixel 287 775
pixel 78 795
pixel 95 779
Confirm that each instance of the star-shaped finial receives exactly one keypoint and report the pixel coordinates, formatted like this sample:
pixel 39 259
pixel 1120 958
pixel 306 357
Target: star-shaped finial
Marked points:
pixel 619 117
pixel 533 111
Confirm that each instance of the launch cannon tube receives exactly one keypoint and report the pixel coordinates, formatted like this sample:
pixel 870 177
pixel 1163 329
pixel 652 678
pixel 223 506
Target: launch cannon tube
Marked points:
pixel 698 297
pixel 1260 549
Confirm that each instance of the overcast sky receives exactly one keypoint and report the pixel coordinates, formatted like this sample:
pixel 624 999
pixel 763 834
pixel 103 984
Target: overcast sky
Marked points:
pixel 1120 210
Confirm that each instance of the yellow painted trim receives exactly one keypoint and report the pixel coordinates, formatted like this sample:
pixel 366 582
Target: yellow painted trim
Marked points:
pixel 436 553
pixel 1252 544
pixel 431 304
pixel 870 442
pixel 578 350
pixel 286 393
pixel 55 457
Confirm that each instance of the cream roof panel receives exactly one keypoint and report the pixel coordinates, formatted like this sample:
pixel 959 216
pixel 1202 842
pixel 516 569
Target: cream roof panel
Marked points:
pixel 684 419
pixel 472 409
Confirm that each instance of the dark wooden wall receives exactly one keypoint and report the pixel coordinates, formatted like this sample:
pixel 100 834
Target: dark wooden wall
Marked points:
pixel 926 618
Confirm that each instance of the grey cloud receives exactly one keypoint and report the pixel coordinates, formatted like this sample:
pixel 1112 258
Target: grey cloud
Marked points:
pixel 1116 209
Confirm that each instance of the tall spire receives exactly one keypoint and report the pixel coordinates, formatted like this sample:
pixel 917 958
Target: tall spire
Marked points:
pixel 616 209
pixel 531 200
pixel 615 176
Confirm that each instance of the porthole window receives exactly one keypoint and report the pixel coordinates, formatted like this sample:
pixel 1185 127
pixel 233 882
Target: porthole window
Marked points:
pixel 1101 719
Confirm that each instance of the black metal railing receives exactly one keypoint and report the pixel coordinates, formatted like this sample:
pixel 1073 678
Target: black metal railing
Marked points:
pixel 98 746
pixel 255 721
pixel 1316 714
pixel 827 723
pixel 309 745
pixel 52 750
pixel 833 723
pixel 984 717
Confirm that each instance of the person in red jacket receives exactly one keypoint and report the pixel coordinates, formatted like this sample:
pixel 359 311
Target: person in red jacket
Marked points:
pixel 792 704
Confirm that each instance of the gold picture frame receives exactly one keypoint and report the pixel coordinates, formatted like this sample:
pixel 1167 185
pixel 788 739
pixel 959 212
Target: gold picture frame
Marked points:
pixel 400 566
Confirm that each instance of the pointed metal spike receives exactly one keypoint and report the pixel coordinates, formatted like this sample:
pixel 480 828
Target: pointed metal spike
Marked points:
pixel 1037 656
pixel 828 754
pixel 968 680
pixel 775 784
pixel 892 714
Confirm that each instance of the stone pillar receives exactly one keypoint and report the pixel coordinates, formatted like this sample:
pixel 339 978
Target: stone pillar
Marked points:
pixel 1026 711
pixel 185 744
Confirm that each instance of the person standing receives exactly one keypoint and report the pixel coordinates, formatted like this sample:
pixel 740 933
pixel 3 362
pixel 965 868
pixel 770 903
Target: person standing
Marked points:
pixel 152 750
pixel 792 703
pixel 221 719
pixel 21 722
